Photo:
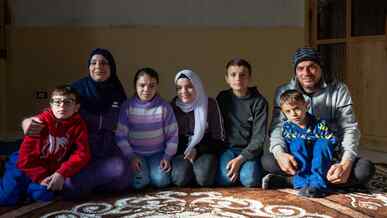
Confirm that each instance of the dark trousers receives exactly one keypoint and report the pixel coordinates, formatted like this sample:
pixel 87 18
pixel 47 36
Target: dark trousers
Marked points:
pixel 203 169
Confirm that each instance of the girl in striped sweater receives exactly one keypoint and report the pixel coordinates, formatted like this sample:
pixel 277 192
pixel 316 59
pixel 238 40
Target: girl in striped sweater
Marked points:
pixel 147 132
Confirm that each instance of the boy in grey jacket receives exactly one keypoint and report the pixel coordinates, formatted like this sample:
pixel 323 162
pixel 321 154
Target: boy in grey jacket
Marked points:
pixel 330 101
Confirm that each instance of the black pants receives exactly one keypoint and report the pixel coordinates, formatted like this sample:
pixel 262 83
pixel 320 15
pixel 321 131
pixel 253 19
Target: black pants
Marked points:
pixel 203 170
pixel 362 170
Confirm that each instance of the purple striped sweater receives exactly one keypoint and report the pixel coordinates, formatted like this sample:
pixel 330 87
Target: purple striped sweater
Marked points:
pixel 146 128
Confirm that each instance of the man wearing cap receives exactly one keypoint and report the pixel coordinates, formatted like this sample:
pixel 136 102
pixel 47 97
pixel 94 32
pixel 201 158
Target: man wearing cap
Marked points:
pixel 329 101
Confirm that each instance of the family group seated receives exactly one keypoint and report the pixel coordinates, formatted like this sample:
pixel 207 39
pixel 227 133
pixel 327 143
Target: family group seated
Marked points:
pixel 93 139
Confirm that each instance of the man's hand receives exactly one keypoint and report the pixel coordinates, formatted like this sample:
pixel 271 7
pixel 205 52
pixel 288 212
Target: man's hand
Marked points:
pixel 340 172
pixel 287 163
pixel 165 165
pixel 233 167
pixel 32 126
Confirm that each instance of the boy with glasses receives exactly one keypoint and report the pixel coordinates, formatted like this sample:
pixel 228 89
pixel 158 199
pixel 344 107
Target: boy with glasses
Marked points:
pixel 43 162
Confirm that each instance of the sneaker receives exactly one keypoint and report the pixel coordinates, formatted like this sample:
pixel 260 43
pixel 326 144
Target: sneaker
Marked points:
pixel 311 192
pixel 303 192
pixel 272 181
pixel 314 192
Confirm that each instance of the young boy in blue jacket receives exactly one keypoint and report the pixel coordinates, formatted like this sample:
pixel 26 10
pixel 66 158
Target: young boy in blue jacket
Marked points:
pixel 310 142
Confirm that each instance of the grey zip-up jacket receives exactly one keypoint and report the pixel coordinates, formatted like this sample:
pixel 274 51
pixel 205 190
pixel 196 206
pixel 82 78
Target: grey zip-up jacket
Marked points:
pixel 332 103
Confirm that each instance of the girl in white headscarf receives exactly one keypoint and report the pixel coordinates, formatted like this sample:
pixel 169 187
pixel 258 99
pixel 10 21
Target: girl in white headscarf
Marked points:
pixel 200 132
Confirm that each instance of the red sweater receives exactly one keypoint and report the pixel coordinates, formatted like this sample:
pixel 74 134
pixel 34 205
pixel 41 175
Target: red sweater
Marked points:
pixel 62 147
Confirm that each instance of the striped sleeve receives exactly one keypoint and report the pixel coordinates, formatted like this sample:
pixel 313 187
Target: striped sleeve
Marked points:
pixel 122 132
pixel 170 131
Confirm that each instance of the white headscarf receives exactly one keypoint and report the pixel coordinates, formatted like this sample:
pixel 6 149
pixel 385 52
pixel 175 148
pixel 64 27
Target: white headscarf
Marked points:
pixel 199 106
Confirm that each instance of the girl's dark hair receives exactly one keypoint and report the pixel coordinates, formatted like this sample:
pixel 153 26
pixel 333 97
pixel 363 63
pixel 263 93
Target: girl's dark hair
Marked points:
pixel 239 62
pixel 146 71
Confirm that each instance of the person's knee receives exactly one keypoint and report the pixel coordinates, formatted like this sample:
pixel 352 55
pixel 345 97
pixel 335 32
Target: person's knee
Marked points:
pixel 181 174
pixel 250 174
pixel 42 196
pixel 205 170
pixel 249 181
pixel 8 198
pixel 222 178
pixel 226 156
pixel 116 166
pixel 160 180
pixel 40 193
pixel 140 181
pixel 364 171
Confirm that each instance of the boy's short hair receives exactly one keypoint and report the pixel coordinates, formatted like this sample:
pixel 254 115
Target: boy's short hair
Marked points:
pixel 65 90
pixel 291 97
pixel 239 62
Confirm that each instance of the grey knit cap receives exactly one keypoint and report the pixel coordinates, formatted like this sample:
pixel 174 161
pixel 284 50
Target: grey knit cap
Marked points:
pixel 306 54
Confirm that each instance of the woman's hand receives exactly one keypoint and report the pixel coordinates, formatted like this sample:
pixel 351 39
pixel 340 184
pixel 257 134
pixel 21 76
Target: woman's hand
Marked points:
pixel 135 164
pixel 287 163
pixel 339 173
pixel 191 155
pixel 165 165
pixel 233 167
pixel 32 126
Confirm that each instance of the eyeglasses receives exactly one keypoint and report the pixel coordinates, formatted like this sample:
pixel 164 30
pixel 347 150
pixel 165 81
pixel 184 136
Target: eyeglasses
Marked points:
pixel 66 102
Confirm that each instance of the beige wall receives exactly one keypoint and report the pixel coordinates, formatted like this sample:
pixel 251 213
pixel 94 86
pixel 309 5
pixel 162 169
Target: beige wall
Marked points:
pixel 42 57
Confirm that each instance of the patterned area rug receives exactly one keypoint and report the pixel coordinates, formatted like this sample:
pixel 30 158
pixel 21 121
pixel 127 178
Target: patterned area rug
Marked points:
pixel 220 202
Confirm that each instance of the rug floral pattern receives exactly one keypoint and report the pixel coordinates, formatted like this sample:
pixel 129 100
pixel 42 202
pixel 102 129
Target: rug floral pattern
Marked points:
pixel 231 202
